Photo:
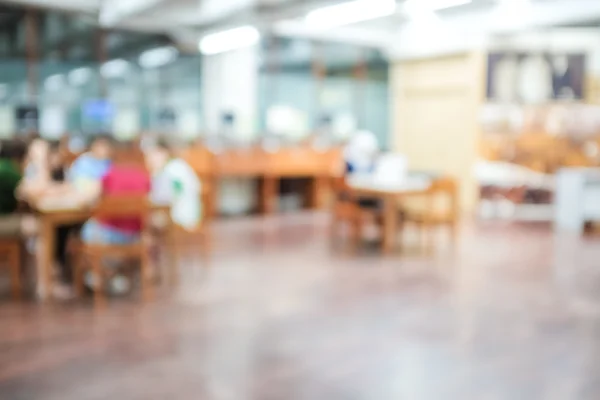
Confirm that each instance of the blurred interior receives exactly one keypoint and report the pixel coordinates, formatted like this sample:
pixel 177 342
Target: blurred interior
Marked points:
pixel 472 234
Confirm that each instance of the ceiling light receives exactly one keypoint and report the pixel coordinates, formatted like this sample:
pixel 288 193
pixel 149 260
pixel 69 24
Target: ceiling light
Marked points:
pixel 54 82
pixel 513 14
pixel 228 40
pixel 80 76
pixel 350 13
pixel 114 68
pixel 158 57
pixel 513 5
pixel 113 11
pixel 433 5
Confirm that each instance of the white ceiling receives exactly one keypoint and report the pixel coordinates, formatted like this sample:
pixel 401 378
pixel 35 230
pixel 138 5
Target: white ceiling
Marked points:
pixel 188 20
pixel 66 5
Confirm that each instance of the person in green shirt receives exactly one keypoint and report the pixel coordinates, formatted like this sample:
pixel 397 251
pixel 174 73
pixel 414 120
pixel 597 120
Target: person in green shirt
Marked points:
pixel 12 154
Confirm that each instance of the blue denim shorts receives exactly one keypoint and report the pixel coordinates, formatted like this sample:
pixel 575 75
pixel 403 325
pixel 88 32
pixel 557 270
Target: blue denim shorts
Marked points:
pixel 95 232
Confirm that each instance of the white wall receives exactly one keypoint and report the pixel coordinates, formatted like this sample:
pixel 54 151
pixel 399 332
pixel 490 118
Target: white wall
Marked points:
pixel 230 83
pixel 474 30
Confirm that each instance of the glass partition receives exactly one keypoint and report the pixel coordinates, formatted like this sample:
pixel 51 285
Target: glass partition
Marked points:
pixel 287 88
pixel 308 86
pixel 301 82
pixel 376 101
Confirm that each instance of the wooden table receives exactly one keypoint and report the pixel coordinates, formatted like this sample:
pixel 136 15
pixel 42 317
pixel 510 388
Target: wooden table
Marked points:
pixel 268 168
pixel 49 221
pixel 388 193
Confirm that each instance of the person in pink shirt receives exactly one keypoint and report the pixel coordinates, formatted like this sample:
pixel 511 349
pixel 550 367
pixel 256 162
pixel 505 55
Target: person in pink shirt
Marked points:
pixel 121 180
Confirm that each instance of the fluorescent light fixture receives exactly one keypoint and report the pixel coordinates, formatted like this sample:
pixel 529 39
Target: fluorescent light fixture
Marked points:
pixel 114 11
pixel 433 5
pixel 350 13
pixel 158 57
pixel 513 5
pixel 513 15
pixel 220 42
pixel 114 68
pixel 80 76
pixel 54 82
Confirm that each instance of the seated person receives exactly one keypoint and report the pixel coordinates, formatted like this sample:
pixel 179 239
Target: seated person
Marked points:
pixel 89 168
pixel 11 158
pixel 360 153
pixel 359 156
pixel 43 180
pixel 43 171
pixel 174 182
pixel 58 187
pixel 36 160
pixel 120 180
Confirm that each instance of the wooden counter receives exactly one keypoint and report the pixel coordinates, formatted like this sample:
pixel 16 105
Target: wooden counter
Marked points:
pixel 268 168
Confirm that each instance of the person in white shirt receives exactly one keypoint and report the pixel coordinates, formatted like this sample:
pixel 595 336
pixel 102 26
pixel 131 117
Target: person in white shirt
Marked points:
pixel 360 153
pixel 174 182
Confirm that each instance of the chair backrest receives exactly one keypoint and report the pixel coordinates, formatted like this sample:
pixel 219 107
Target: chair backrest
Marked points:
pixel 338 184
pixel 448 188
pixel 123 206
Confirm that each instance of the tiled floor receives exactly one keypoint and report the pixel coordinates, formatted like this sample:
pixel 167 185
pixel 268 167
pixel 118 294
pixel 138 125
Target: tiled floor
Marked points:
pixel 513 313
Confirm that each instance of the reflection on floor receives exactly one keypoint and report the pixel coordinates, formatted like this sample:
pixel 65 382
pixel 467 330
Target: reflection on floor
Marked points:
pixel 512 314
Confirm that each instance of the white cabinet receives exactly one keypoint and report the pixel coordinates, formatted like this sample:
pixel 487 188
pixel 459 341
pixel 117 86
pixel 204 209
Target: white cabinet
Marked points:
pixel 577 198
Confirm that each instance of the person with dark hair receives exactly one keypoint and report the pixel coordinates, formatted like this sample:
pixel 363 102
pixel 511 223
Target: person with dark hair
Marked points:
pixel 36 175
pixel 43 171
pixel 56 174
pixel 42 180
pixel 56 162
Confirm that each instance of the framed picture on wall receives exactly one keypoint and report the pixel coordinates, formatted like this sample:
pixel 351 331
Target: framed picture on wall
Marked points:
pixel 535 78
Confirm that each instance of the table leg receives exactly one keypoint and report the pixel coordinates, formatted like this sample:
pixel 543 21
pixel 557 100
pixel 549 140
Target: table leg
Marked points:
pixel 48 243
pixel 174 252
pixel 210 198
pixel 269 195
pixel 389 224
pixel 317 188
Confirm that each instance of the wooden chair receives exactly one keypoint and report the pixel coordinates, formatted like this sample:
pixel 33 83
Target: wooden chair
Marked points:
pixel 172 237
pixel 202 234
pixel 10 256
pixel 92 254
pixel 346 209
pixel 431 215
